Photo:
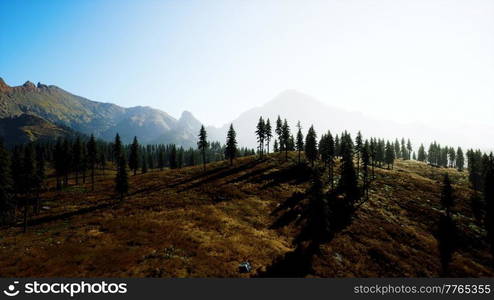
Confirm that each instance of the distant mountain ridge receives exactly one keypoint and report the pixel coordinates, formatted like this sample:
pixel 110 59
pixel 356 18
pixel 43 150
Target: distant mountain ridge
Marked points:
pixel 104 120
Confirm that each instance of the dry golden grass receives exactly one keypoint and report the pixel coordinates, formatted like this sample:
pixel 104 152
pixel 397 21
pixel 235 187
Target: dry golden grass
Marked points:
pixel 186 223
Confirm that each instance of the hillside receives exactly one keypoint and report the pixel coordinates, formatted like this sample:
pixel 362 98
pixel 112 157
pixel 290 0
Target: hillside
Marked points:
pixel 187 223
pixel 104 120
pixel 26 128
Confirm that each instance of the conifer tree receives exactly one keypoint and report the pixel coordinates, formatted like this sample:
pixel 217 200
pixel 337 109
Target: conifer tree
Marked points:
pixel 489 200
pixel 421 154
pixel 6 203
pixel 397 149
pixel 58 163
pixel 348 181
pixel 389 155
pixel 276 148
pixel 260 132
pixel 268 134
pixel 134 156
pixel 28 173
pixel 67 160
pixel 173 157
pixel 447 197
pixel 161 160
pixel 285 134
pixel 365 168
pixel 311 145
pixel 409 149
pixel 92 157
pixel 460 159
pixel 117 149
pixel 202 145
pixel 300 140
pixel 358 150
pixel 231 144
pixel 121 180
pixel 40 175
pixel 404 152
pixel 77 158
pixel 278 131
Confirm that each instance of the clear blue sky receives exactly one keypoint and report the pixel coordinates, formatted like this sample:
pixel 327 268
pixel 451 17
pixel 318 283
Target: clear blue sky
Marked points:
pixel 401 60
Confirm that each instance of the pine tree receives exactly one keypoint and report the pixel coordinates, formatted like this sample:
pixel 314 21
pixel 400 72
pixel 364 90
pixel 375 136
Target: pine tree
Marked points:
pixel 121 180
pixel 348 182
pixel 40 175
pixel 28 173
pixel 134 156
pixel 404 152
pixel 409 149
pixel 67 161
pixel 76 158
pixel 285 134
pixel 231 144
pixel 489 200
pixel 92 157
pixel 358 150
pixel 460 159
pixel 397 149
pixel 421 154
pixel 279 132
pixel 203 145
pixel 447 198
pixel 260 132
pixel 268 134
pixel 365 168
pixel 300 140
pixel 161 159
pixel 117 149
pixel 173 158
pixel 58 163
pixel 275 146
pixel 389 155
pixel 311 145
pixel 6 203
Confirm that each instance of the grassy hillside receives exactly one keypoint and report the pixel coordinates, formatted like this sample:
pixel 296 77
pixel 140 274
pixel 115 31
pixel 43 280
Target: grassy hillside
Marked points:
pixel 187 223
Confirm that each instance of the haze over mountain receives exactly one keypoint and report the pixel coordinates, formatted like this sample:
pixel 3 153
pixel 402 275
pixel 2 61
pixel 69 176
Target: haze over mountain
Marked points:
pixel 294 105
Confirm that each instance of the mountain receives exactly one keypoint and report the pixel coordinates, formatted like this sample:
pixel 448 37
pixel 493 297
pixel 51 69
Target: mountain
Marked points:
pixel 294 106
pixel 104 120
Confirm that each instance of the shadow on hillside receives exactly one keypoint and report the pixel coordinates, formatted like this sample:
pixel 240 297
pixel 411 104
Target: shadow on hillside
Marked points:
pixel 249 175
pixel 295 174
pixel 294 264
pixel 66 215
pixel 292 210
pixel 228 171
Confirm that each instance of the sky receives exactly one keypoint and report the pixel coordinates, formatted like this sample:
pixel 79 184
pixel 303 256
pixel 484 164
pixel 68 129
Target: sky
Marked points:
pixel 429 62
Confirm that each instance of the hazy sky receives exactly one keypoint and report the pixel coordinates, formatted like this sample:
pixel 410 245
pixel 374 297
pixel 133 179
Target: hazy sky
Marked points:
pixel 408 61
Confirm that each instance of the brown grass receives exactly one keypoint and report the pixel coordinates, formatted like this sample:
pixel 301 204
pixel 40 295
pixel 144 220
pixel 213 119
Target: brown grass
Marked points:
pixel 186 223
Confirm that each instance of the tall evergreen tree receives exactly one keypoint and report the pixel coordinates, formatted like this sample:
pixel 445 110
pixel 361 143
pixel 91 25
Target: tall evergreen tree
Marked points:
pixel 203 145
pixel 460 159
pixel 121 180
pixel 268 133
pixel 276 148
pixel 144 167
pixel 117 149
pixel 77 158
pixel 421 154
pixel 40 175
pixel 311 145
pixel 389 155
pixel 173 158
pixel 6 203
pixel 365 168
pixel 358 150
pixel 134 156
pixel 285 134
pixel 260 132
pixel 348 181
pixel 409 149
pixel 447 197
pixel 231 144
pixel 300 141
pixel 92 157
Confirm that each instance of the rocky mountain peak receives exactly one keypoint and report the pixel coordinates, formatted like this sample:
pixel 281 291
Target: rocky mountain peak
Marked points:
pixel 3 86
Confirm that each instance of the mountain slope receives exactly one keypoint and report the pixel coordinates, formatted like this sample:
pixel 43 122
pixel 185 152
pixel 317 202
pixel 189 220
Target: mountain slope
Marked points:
pixel 28 128
pixel 187 223
pixel 104 120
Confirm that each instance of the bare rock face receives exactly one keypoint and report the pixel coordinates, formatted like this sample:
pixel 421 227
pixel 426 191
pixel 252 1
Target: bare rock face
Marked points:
pixel 29 86
pixel 4 87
